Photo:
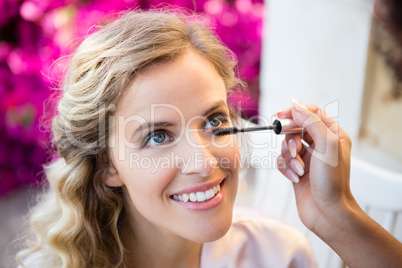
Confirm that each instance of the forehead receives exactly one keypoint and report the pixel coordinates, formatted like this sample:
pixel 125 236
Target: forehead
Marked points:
pixel 190 83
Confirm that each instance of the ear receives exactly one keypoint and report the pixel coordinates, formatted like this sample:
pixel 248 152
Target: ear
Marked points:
pixel 111 178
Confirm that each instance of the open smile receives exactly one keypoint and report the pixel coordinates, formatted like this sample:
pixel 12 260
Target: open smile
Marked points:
pixel 198 196
pixel 201 200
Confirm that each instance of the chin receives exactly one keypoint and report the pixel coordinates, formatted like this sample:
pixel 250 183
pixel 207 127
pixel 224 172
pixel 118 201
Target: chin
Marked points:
pixel 213 229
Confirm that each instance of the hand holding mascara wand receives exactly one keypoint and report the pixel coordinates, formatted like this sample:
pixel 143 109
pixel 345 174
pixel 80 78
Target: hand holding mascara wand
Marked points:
pixel 285 126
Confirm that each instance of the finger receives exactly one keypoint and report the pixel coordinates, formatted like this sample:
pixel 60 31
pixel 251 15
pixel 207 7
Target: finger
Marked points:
pixel 306 159
pixel 309 120
pixel 286 171
pixel 296 164
pixel 343 137
pixel 304 148
pixel 306 137
pixel 307 143
pixel 331 124
pixel 294 143
pixel 284 114
pixel 302 151
pixel 328 121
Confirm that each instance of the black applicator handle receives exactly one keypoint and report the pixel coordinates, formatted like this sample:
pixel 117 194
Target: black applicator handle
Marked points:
pixel 277 127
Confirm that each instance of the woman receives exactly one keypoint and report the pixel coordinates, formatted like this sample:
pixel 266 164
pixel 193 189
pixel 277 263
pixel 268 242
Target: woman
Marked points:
pixel 141 181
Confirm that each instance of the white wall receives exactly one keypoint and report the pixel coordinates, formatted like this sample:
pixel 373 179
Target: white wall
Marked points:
pixel 315 51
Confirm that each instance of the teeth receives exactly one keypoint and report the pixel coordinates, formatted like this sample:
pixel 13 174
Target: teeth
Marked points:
pixel 215 189
pixel 209 194
pixel 193 197
pixel 201 197
pixel 198 196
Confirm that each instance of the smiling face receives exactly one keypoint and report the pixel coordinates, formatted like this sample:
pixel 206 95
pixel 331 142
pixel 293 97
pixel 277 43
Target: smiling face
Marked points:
pixel 178 179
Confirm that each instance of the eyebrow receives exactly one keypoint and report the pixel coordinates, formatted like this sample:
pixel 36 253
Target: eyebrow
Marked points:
pixel 162 124
pixel 165 124
pixel 213 108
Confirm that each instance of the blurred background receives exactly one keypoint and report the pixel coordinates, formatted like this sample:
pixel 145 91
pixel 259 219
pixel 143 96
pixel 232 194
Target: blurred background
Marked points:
pixel 334 54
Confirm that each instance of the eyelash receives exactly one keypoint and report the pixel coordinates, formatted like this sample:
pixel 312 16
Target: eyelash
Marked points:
pixel 155 132
pixel 224 119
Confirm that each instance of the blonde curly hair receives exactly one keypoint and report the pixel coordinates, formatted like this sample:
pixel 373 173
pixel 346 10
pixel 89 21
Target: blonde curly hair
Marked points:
pixel 77 222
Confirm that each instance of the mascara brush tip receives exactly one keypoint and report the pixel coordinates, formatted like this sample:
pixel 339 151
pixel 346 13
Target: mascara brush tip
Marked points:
pixel 225 131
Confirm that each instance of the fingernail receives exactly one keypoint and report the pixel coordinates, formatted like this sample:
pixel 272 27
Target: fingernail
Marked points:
pixel 280 162
pixel 298 105
pixel 298 167
pixel 293 176
pixel 292 148
pixel 280 112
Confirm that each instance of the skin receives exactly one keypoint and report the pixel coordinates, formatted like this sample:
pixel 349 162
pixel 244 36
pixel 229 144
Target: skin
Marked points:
pixel 324 201
pixel 160 232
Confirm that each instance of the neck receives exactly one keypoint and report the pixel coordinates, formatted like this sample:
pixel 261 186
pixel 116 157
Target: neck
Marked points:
pixel 147 246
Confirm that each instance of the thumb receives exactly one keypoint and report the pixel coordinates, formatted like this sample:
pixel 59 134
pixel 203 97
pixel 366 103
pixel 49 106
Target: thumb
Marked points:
pixel 314 125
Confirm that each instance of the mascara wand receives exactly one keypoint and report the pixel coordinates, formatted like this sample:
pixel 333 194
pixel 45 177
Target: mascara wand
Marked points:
pixel 285 126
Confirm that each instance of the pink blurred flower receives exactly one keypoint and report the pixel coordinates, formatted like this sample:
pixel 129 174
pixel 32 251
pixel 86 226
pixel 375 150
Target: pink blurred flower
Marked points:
pixel 31 11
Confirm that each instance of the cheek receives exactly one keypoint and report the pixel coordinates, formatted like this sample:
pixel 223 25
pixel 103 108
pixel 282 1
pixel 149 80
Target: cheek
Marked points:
pixel 146 177
pixel 146 191
pixel 229 155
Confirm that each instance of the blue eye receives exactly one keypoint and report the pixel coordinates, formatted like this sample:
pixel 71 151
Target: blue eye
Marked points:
pixel 156 138
pixel 216 120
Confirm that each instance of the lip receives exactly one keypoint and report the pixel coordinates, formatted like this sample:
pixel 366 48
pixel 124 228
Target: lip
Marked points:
pixel 211 203
pixel 200 188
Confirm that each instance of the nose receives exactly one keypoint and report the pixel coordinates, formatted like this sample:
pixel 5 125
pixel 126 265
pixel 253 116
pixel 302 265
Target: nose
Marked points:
pixel 196 155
